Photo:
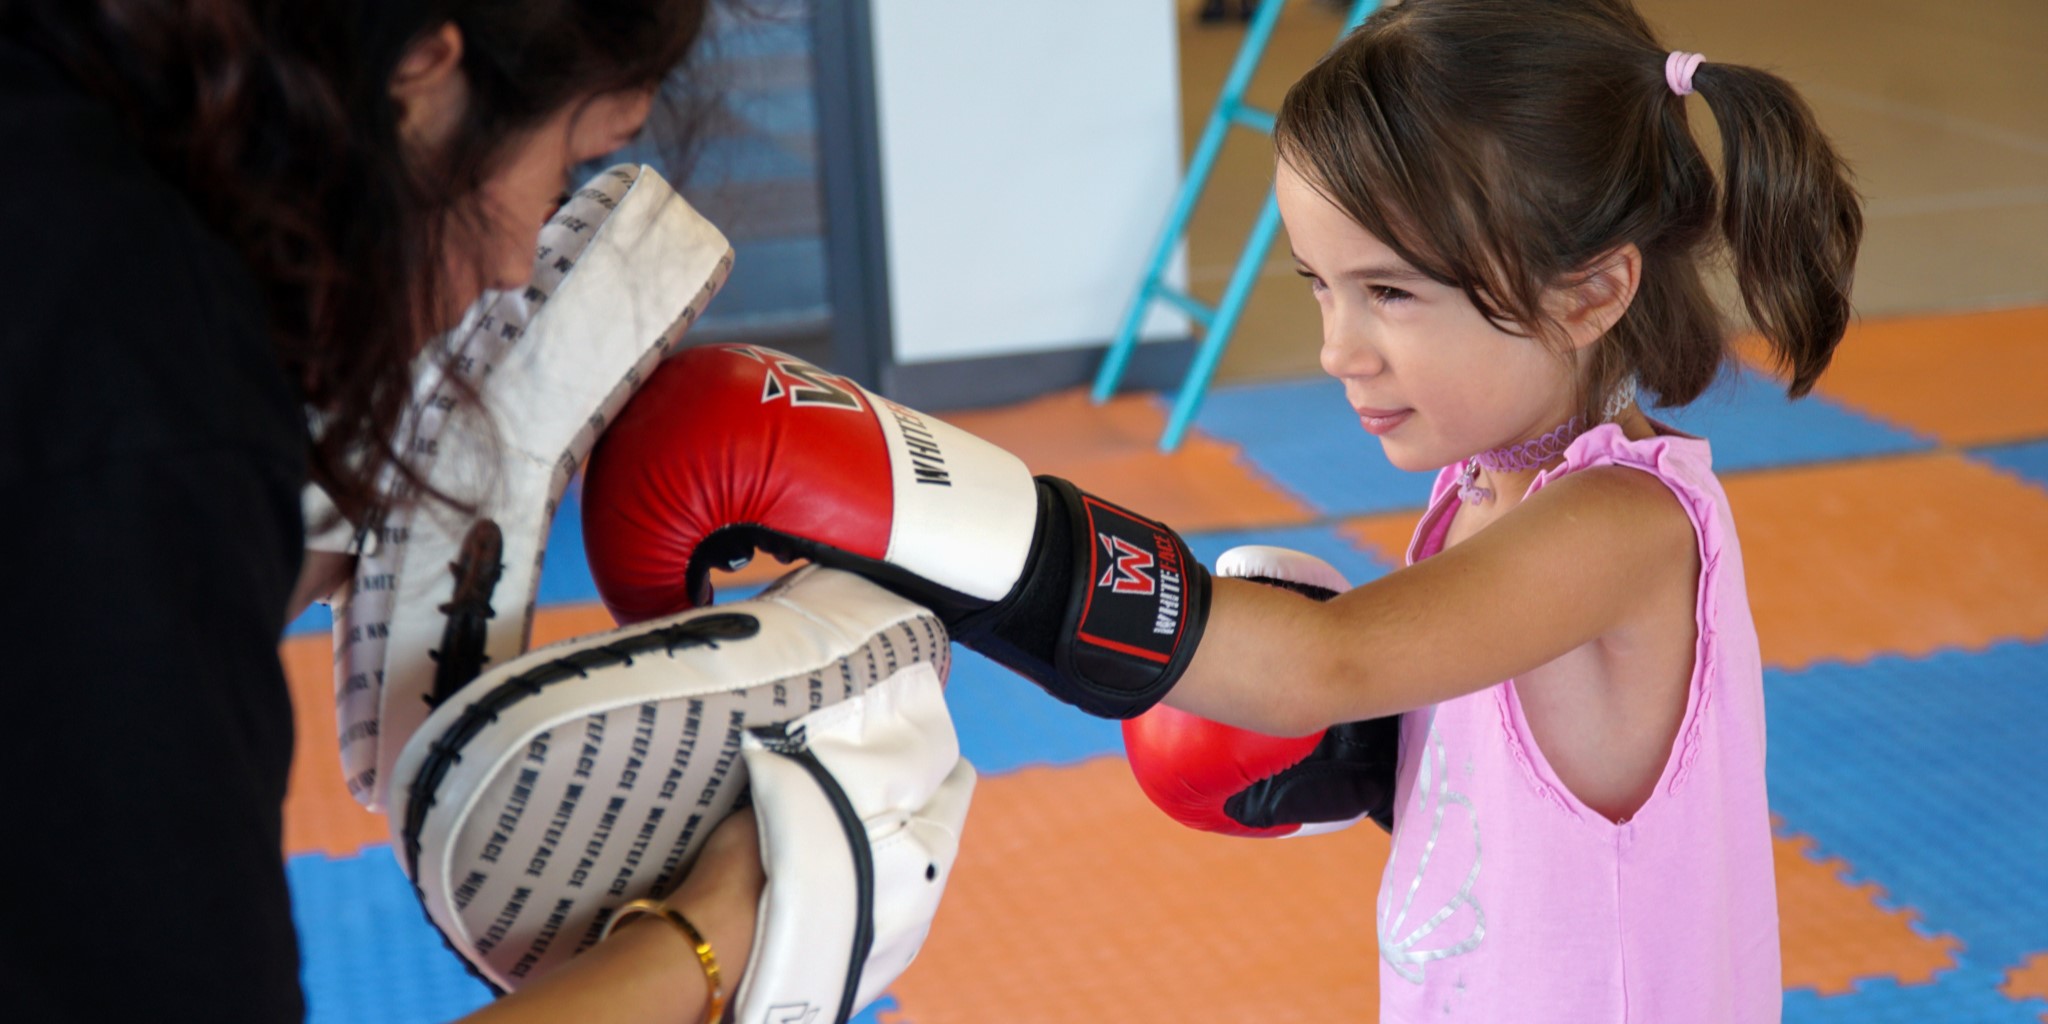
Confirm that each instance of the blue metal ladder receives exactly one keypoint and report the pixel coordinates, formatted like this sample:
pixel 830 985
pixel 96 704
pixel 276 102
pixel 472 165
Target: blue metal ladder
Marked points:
pixel 1220 320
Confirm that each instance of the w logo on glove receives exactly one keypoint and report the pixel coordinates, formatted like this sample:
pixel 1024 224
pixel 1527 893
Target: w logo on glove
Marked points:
pixel 1130 568
pixel 1137 609
pixel 800 382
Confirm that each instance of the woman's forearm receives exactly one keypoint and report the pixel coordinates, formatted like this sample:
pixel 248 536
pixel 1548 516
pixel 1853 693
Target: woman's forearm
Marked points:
pixel 647 972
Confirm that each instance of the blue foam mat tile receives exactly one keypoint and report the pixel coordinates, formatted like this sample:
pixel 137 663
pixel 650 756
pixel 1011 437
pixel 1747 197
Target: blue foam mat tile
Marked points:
pixel 1006 722
pixel 564 569
pixel 368 955
pixel 2028 461
pixel 884 1003
pixel 1929 777
pixel 1305 437
pixel 316 619
pixel 1752 425
pixel 1967 995
pixel 1340 477
pixel 1278 411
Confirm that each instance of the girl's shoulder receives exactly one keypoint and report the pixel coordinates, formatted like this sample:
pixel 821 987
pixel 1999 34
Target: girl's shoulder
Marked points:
pixel 1609 468
pixel 1668 451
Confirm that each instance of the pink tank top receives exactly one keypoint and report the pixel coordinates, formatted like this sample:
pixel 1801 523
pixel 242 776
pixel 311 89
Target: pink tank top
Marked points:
pixel 1506 899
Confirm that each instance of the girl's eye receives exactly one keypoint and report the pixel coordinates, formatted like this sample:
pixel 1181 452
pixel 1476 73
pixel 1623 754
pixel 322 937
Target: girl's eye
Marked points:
pixel 1315 284
pixel 1388 296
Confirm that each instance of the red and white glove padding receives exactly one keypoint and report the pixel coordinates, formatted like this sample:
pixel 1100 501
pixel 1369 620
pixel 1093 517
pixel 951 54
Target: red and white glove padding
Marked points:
pixel 731 448
pixel 1235 782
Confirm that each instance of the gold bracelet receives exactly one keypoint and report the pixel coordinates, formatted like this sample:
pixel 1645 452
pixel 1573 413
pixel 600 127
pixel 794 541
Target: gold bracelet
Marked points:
pixel 714 1009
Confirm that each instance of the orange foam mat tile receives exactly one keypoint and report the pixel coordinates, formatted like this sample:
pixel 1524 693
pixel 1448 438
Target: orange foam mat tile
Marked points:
pixel 1112 450
pixel 1968 379
pixel 1074 899
pixel 319 814
pixel 2028 980
pixel 1900 555
pixel 1835 934
pixel 1386 534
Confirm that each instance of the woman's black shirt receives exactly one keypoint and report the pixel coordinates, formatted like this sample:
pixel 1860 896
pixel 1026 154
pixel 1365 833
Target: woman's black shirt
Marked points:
pixel 151 457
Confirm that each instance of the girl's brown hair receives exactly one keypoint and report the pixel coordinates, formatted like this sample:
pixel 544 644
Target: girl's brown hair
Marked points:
pixel 1504 147
pixel 275 118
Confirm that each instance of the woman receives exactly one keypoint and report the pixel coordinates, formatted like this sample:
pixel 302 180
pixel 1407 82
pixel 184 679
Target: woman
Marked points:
pixel 231 220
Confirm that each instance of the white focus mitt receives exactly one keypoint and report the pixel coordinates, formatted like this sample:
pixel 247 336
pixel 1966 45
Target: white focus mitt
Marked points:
pixel 623 269
pixel 567 782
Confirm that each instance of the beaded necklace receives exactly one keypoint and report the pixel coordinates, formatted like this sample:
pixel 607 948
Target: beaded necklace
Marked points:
pixel 1533 453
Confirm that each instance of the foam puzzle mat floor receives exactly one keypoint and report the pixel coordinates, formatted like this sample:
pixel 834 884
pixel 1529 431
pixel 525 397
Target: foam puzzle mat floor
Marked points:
pixel 1895 526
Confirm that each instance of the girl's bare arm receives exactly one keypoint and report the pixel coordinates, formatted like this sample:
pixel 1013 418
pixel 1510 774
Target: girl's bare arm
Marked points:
pixel 1560 570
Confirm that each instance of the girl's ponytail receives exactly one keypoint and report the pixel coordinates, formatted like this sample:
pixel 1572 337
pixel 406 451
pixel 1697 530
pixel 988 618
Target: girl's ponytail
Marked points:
pixel 1791 218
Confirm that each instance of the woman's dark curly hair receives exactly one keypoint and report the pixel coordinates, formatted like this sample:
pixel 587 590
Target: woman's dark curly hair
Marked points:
pixel 275 118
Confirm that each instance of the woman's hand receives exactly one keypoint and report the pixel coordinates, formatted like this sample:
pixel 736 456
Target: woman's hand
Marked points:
pixel 647 968
pixel 722 893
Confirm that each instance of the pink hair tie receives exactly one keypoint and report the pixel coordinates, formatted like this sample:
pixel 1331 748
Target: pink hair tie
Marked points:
pixel 1678 69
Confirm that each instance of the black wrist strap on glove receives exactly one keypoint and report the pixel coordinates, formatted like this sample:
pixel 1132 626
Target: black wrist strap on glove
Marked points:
pixel 1108 611
pixel 1350 772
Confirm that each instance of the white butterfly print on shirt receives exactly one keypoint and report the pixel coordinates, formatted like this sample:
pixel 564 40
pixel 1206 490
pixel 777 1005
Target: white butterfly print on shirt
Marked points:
pixel 1427 908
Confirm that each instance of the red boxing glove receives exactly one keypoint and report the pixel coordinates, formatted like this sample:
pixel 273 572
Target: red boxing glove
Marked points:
pixel 737 448
pixel 730 448
pixel 1234 782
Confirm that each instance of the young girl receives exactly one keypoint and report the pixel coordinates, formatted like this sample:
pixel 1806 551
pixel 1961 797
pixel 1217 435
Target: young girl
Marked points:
pixel 1504 217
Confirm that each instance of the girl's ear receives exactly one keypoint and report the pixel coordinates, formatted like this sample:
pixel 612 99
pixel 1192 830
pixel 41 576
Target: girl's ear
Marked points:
pixel 430 88
pixel 1588 306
